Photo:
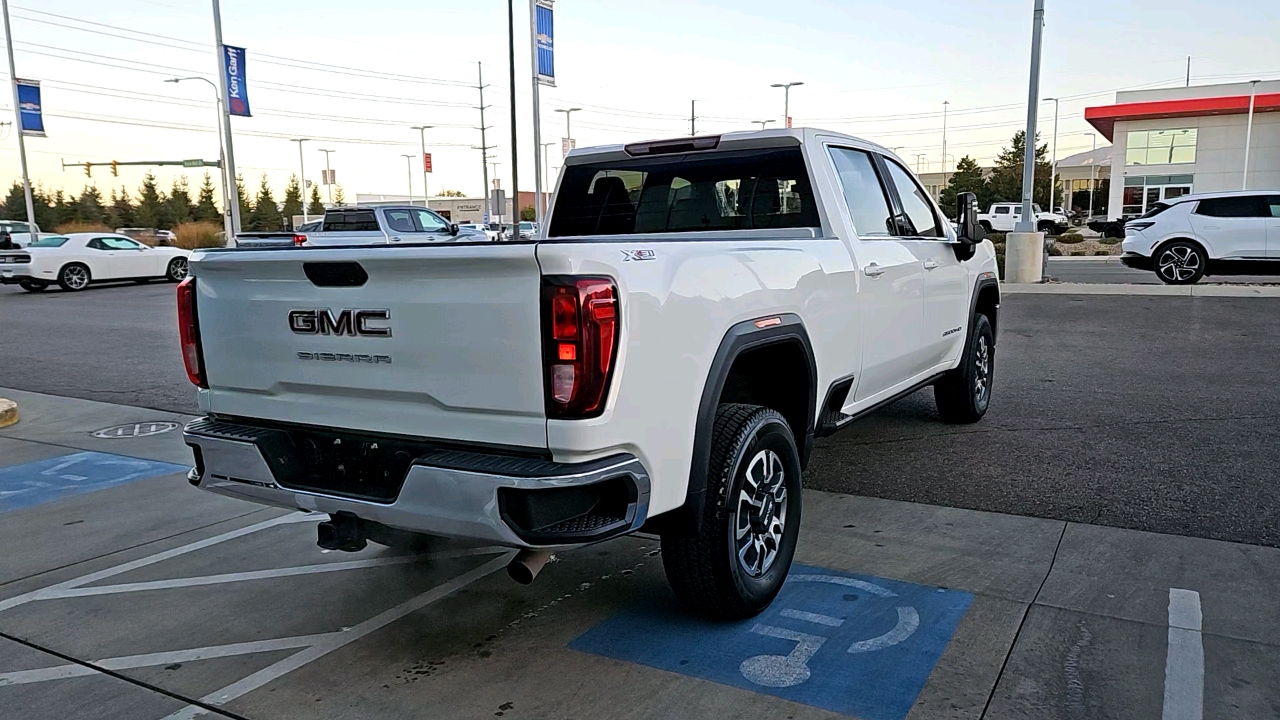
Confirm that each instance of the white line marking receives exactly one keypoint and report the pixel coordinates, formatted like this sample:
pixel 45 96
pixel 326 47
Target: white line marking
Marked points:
pixel 128 662
pixel 297 660
pixel 812 617
pixel 847 582
pixel 1184 665
pixel 781 670
pixel 153 559
pixel 908 621
pixel 263 574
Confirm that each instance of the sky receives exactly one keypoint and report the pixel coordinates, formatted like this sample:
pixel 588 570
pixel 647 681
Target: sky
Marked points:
pixel 355 79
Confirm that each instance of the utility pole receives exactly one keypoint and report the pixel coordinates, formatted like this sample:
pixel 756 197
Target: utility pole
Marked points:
pixel 17 117
pixel 945 104
pixel 1248 133
pixel 693 117
pixel 1188 71
pixel 232 180
pixel 515 154
pixel 328 174
pixel 302 180
pixel 1053 165
pixel 484 146
pixel 1028 223
pixel 408 163
pixel 422 137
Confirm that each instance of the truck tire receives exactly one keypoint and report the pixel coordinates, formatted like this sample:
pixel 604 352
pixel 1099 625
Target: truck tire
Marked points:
pixel 963 394
pixel 735 564
pixel 985 225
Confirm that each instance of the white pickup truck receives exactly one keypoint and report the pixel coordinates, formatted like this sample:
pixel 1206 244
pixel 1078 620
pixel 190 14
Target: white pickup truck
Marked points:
pixel 1001 217
pixel 695 312
pixel 363 225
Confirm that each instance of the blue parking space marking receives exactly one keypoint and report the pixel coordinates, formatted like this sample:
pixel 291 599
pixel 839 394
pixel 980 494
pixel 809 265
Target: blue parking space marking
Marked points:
pixel 46 480
pixel 858 645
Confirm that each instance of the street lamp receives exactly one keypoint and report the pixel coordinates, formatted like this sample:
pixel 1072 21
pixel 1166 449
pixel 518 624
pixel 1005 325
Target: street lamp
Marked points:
pixel 408 163
pixel 1092 166
pixel 945 103
pixel 762 123
pixel 918 156
pixel 547 179
pixel 786 100
pixel 328 174
pixel 302 175
pixel 227 225
pixel 1053 166
pixel 567 113
pixel 1248 133
pixel 422 137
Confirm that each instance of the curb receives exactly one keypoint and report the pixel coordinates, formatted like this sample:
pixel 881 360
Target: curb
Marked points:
pixel 8 412
pixel 1258 291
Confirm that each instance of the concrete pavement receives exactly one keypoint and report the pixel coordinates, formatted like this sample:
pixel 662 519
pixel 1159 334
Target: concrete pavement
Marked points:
pixel 149 599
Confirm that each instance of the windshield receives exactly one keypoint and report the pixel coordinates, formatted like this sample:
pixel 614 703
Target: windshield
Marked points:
pixel 526 226
pixel 48 242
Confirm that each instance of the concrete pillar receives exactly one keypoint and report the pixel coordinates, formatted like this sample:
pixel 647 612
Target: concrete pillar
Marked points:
pixel 1024 257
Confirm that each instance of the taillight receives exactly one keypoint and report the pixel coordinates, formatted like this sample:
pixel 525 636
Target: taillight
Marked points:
pixel 580 343
pixel 298 240
pixel 189 333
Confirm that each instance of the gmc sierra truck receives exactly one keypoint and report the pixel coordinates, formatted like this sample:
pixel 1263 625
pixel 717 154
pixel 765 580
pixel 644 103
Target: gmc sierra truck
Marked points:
pixel 692 315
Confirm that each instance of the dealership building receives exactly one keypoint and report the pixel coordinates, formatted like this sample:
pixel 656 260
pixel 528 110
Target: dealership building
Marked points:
pixel 1171 142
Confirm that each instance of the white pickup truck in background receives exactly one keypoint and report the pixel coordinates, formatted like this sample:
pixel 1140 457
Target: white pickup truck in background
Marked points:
pixel 693 314
pixel 1001 217
pixel 374 224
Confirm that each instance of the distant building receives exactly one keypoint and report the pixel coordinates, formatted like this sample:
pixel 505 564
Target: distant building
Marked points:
pixel 1078 173
pixel 1175 141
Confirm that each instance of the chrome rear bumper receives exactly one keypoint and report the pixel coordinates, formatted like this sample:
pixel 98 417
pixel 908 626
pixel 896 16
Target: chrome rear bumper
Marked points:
pixel 513 501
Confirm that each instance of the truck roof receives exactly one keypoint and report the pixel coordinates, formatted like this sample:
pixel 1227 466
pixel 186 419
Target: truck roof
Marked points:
pixel 738 140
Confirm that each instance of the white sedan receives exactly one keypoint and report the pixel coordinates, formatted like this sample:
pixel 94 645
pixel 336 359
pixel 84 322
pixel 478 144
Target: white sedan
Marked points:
pixel 75 260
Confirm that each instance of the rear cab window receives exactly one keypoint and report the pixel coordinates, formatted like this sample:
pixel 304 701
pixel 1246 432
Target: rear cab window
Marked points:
pixel 351 221
pixel 686 192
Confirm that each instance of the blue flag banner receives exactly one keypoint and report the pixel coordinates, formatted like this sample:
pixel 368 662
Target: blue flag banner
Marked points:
pixel 544 25
pixel 237 90
pixel 29 113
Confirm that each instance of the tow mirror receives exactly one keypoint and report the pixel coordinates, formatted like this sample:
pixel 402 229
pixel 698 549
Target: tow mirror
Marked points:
pixel 968 231
pixel 453 229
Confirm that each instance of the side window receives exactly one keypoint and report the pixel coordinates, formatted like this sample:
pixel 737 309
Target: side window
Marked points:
pixel 97 244
pixel 399 221
pixel 1002 210
pixel 1274 203
pixel 1225 207
pixel 863 192
pixel 430 222
pixel 915 204
pixel 119 243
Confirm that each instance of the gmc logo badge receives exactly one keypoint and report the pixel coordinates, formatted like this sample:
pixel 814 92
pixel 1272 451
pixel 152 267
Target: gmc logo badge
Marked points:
pixel 355 323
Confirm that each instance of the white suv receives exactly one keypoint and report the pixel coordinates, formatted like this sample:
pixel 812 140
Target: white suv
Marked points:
pixel 1227 233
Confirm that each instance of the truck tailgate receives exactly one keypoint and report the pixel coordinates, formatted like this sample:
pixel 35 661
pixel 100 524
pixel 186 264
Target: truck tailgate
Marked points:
pixel 293 336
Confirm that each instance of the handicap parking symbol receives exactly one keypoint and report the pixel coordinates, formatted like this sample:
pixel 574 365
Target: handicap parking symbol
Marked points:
pixel 46 480
pixel 858 645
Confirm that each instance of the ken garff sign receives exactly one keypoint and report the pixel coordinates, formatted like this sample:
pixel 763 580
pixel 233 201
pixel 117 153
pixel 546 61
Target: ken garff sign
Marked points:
pixel 237 90
pixel 544 26
pixel 29 114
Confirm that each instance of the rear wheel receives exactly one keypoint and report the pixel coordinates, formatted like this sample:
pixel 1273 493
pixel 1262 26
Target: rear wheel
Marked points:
pixel 1048 228
pixel 735 564
pixel 1180 263
pixel 963 394
pixel 177 270
pixel 74 277
pixel 33 286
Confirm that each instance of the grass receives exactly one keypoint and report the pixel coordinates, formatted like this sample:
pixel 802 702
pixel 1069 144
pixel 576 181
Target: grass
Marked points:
pixel 77 226
pixel 201 234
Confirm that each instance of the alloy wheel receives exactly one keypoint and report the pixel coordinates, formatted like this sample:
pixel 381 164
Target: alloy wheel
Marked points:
pixel 76 277
pixel 1179 263
pixel 177 269
pixel 982 370
pixel 761 513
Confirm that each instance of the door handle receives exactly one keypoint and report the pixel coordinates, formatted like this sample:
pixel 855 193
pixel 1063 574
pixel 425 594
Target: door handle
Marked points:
pixel 395 239
pixel 873 270
pixel 930 264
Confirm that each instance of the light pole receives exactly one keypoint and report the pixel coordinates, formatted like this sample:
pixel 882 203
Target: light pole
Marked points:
pixel 786 100
pixel 1053 166
pixel 1028 222
pixel 17 117
pixel 422 137
pixel 1092 167
pixel 762 123
pixel 547 178
pixel 1248 133
pixel 328 174
pixel 408 163
pixel 233 182
pixel 918 156
pixel 222 155
pixel 568 134
pixel 302 179
pixel 945 103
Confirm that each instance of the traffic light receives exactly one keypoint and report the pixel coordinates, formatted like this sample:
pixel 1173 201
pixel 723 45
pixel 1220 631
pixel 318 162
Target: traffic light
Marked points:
pixel 115 169
pixel 88 170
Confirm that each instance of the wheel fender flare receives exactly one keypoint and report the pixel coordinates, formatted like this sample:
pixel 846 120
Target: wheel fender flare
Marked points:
pixel 983 283
pixel 740 338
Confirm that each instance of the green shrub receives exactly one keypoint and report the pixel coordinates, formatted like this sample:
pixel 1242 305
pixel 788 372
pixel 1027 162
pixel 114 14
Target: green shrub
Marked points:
pixel 1070 238
pixel 996 238
pixel 1000 264
pixel 1109 241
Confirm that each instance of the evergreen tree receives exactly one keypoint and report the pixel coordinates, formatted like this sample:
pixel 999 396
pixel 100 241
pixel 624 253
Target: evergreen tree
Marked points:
pixel 266 214
pixel 15 204
pixel 292 203
pixel 121 212
pixel 179 204
pixel 246 211
pixel 205 208
pixel 314 206
pixel 451 193
pixel 966 178
pixel 150 212
pixel 89 207
pixel 1005 183
pixel 339 197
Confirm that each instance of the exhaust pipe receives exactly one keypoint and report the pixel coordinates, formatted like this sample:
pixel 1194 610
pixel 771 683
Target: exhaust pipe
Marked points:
pixel 341 532
pixel 524 567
